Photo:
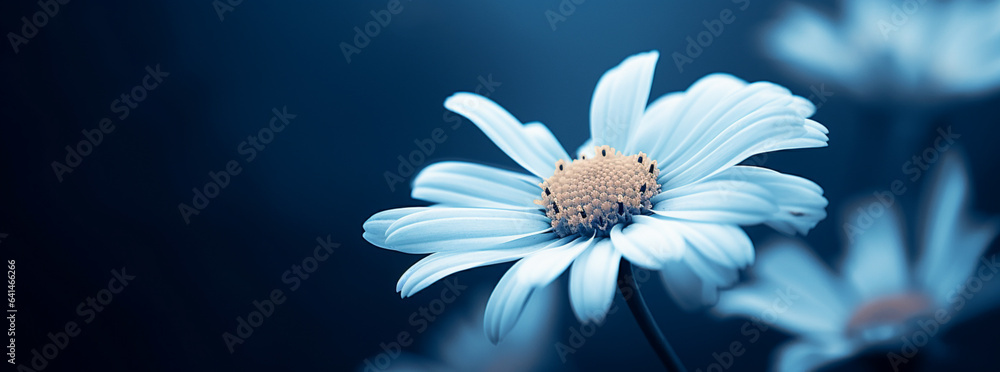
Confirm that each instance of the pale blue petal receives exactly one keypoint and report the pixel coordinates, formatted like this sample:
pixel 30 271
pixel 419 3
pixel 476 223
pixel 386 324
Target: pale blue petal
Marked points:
pixel 791 268
pixel 648 243
pixel 436 266
pixel 952 239
pixel 530 273
pixel 546 141
pixel 728 201
pixel 694 281
pixel 460 184
pixel 447 229
pixel 592 281
pixel 620 99
pixel 586 150
pixel 876 262
pixel 748 195
pixel 810 355
pixel 516 140
pixel 722 244
pixel 377 225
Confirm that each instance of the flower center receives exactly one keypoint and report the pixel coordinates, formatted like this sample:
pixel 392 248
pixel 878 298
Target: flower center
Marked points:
pixel 886 317
pixel 590 196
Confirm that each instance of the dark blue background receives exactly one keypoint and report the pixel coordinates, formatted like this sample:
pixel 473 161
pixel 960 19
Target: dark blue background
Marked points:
pixel 323 175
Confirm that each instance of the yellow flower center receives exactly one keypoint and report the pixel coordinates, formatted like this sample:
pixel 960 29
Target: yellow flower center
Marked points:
pixel 590 196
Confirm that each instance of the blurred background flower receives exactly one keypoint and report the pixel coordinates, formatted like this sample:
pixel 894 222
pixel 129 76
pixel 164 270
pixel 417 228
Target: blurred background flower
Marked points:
pixel 459 344
pixel 880 298
pixel 911 52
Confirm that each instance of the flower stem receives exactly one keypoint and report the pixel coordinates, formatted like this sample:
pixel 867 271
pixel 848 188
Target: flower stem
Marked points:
pixel 630 291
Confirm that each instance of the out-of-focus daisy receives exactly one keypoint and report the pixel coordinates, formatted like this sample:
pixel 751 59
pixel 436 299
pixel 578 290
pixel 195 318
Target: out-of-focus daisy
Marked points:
pixel 880 298
pixel 461 345
pixel 662 189
pixel 909 52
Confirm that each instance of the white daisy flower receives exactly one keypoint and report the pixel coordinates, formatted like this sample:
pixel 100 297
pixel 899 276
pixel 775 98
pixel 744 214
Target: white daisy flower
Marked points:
pixel 663 190
pixel 909 51
pixel 879 300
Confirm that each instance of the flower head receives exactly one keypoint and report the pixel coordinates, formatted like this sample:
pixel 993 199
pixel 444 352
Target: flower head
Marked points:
pixel 914 51
pixel 878 297
pixel 660 187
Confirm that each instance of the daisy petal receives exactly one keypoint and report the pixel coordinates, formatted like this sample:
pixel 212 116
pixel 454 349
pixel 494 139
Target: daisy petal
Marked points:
pixel 647 243
pixel 810 355
pixel 593 280
pixel 530 273
pixel 586 150
pixel 460 184
pixel 725 245
pixel 952 239
pixel 816 301
pixel 712 260
pixel 432 268
pixel 377 225
pixel 516 140
pixel 546 141
pixel 461 229
pixel 620 99
pixel 876 263
pixel 748 195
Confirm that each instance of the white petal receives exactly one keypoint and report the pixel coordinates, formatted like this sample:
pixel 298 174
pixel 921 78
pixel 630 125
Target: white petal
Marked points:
pixel 377 225
pixel 593 280
pixel 546 141
pixel 647 243
pixel 461 229
pixel 952 239
pixel 876 263
pixel 721 121
pixel 530 273
pixel 620 98
pixel 748 195
pixel 432 268
pixel 721 201
pixel 810 355
pixel 460 184
pixel 725 245
pixel 516 140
